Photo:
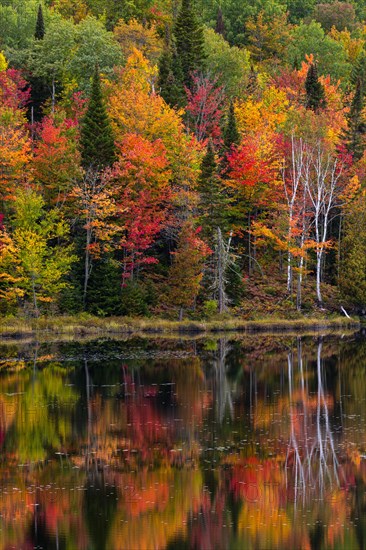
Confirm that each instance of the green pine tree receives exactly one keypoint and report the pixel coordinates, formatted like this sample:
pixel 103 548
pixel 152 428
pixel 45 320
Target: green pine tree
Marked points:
pixel 315 93
pixel 170 79
pixel 39 90
pixel 356 128
pixel 104 289
pixel 231 133
pixel 189 41
pixel 40 29
pixel 96 139
pixel 352 279
pixel 220 23
pixel 213 200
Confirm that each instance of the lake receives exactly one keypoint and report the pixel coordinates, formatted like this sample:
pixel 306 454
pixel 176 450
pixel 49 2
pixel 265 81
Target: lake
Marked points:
pixel 239 442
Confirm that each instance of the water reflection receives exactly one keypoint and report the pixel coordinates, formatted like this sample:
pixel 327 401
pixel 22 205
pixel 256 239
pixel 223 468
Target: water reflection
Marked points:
pixel 251 443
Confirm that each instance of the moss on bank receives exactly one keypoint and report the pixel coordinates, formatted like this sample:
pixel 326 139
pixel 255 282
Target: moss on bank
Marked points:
pixel 85 324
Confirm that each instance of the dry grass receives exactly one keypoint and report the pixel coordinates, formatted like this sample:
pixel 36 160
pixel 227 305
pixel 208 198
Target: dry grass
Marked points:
pixel 83 325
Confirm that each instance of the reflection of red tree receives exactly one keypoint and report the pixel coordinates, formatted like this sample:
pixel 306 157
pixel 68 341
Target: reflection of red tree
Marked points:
pixel 147 427
pixel 208 529
pixel 255 481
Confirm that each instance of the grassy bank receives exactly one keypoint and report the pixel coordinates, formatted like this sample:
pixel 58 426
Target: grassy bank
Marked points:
pixel 88 325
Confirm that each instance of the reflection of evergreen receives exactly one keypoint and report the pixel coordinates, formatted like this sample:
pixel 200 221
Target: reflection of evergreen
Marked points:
pixel 100 506
pixel 210 479
pixel 317 536
pixel 179 543
pixel 234 505
pixel 41 536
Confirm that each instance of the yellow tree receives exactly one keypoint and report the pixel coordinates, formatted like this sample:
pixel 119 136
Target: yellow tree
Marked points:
pixel 135 35
pixel 136 109
pixel 32 267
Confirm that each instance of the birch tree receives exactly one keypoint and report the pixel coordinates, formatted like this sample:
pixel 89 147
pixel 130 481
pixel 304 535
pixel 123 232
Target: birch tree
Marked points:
pixel 323 181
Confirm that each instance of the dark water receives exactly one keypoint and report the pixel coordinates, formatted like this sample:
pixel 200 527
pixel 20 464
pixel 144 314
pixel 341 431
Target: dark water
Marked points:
pixel 251 443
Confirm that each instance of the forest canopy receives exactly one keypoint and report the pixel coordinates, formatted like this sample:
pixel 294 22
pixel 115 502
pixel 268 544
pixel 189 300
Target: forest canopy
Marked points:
pixel 182 158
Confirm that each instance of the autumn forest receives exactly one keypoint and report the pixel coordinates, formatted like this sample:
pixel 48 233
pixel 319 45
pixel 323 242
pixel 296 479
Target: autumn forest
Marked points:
pixel 182 159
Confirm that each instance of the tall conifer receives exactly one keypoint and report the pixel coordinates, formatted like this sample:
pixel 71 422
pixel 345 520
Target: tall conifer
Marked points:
pixel 189 41
pixel 40 29
pixel 170 79
pixel 96 139
pixel 315 93
pixel 39 91
pixel 356 129
pixel 231 133
pixel 213 199
pixel 220 23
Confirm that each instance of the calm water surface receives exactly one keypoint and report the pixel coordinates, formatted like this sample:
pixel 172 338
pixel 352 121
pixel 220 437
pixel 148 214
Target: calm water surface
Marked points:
pixel 252 443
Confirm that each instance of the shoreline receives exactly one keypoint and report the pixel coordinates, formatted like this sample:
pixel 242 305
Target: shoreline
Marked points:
pixel 96 326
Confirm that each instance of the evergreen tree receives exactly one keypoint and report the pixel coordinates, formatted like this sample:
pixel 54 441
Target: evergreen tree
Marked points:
pixel 352 280
pixel 212 195
pixel 189 41
pixel 96 139
pixel 354 135
pixel 231 133
pixel 104 289
pixel 170 79
pixel 315 93
pixel 40 29
pixel 39 91
pixel 220 24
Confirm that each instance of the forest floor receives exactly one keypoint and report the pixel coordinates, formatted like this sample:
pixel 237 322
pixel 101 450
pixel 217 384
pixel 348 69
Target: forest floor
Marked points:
pixel 82 325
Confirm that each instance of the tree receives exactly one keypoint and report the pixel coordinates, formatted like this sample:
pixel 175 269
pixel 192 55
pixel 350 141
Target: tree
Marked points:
pixel 352 279
pixel 189 41
pixel 339 15
pixel 96 138
pixel 94 45
pixel 204 112
pixel 268 36
pixel 186 272
pixel 142 177
pixel 354 135
pixel 170 78
pixel 32 266
pixel 231 133
pixel 39 91
pixel 323 175
pixel 229 64
pixel 95 205
pixel 134 34
pixel 310 39
pixel 56 160
pixel 213 199
pixel 135 108
pixel 220 23
pixel 315 94
pixel 48 64
pixel 40 29
pixel 299 9
pixel 14 152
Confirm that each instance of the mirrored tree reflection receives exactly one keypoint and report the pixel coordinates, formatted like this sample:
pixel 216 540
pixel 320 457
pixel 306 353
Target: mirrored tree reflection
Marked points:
pixel 311 453
pixel 256 442
pixel 223 390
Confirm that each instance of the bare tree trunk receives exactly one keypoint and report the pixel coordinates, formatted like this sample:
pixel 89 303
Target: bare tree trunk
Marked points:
pixel 221 272
pixel 36 310
pixel 87 266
